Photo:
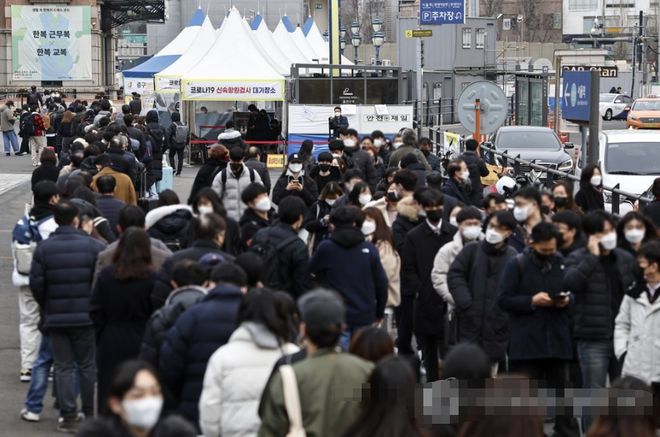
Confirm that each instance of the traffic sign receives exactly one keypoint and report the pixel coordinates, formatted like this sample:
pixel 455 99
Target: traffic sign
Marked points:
pixel 609 71
pixel 576 101
pixel 419 33
pixel 493 105
pixel 441 11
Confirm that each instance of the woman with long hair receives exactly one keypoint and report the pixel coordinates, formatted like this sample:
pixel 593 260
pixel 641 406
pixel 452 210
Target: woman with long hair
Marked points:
pixel 214 164
pixel 376 230
pixel 590 197
pixel 359 195
pixel 207 201
pixel 65 135
pixel 388 404
pixel 562 193
pixel 237 372
pixel 633 230
pixel 121 305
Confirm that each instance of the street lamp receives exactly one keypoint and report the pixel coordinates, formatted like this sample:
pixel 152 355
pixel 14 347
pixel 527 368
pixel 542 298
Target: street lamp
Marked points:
pixel 342 45
pixel 377 24
pixel 378 39
pixel 356 40
pixel 342 31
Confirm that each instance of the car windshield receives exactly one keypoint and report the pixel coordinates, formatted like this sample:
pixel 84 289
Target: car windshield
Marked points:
pixel 606 98
pixel 647 105
pixel 641 158
pixel 527 139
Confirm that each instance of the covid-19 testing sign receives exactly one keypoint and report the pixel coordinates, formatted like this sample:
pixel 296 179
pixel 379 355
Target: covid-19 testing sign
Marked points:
pixel 51 43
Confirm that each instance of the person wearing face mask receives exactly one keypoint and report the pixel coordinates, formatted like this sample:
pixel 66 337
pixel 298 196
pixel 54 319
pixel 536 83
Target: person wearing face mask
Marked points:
pixel 530 291
pixel 477 169
pixel 562 194
pixel 472 280
pixel 358 159
pixel 527 212
pixel 419 250
pixel 367 145
pixel 590 197
pixel 637 326
pixel 337 123
pixel 569 225
pixel 633 230
pixel 207 201
pixel 408 145
pixel 295 182
pixel 317 220
pixel 598 276
pixel 350 265
pixel 230 182
pixel 259 215
pixel 324 172
pixel 426 147
pixel 136 403
pixel 387 205
pixel 359 196
pixel 458 185
pixel 382 145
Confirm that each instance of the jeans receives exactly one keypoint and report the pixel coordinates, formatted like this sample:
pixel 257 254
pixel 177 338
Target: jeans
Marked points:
pixel 347 335
pixel 597 362
pixel 39 381
pixel 179 153
pixel 28 327
pixel 9 137
pixel 71 347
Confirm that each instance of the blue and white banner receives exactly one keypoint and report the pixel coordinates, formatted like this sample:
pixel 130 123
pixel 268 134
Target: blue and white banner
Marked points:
pixel 441 12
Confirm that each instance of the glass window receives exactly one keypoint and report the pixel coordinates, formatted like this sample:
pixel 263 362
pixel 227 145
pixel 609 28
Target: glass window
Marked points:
pixel 633 158
pixel 646 105
pixel 536 103
pixel 467 38
pixel 582 5
pixel 606 98
pixel 527 139
pixel 587 24
pixel 480 39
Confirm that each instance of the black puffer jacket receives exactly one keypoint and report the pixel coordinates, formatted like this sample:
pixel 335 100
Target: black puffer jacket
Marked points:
pixel 205 176
pixel 170 224
pixel 588 280
pixel 156 134
pixel 473 279
pixel 478 169
pixel 63 289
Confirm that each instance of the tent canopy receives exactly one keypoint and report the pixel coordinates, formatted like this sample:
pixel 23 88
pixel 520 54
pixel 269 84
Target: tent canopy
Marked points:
pixel 284 40
pixel 319 44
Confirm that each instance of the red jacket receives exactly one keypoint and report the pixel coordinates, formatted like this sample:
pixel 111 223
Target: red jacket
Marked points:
pixel 39 127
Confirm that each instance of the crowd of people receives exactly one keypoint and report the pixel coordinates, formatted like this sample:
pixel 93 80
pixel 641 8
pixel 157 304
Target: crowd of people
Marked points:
pixel 316 305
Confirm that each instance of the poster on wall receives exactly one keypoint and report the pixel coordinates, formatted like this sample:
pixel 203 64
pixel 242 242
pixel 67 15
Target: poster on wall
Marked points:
pixel 144 87
pixel 51 43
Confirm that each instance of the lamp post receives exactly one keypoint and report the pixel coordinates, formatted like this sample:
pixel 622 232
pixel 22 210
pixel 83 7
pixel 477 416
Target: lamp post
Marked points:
pixel 356 40
pixel 378 39
pixel 342 45
pixel 377 24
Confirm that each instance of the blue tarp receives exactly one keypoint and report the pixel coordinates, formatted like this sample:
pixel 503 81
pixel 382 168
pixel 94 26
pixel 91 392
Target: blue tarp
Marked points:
pixel 152 66
pixel 288 24
pixel 198 18
pixel 256 22
pixel 307 26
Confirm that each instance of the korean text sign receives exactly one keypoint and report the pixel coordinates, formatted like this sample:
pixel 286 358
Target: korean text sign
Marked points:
pixel 441 12
pixel 576 98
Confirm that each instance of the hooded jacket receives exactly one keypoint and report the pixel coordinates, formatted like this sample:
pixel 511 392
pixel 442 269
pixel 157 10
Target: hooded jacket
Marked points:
pixel 231 138
pixel 235 378
pixel 7 118
pixel 230 191
pixel 405 221
pixel 351 266
pixel 43 214
pixel 205 176
pixel 170 224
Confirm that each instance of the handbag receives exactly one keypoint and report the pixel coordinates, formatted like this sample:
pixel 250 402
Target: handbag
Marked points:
pixel 292 402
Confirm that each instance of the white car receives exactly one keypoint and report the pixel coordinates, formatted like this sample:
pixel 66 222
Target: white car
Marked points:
pixel 614 106
pixel 630 159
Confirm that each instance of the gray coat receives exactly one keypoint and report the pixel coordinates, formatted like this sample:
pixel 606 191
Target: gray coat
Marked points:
pixel 230 192
pixel 7 118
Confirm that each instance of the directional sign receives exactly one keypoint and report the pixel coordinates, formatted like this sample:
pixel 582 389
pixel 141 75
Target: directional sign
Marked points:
pixel 575 102
pixel 441 11
pixel 611 71
pixel 493 106
pixel 419 33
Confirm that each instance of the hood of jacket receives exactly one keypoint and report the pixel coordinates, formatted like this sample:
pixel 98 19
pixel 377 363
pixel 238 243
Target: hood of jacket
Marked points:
pixel 161 212
pixel 347 237
pixel 407 207
pixel 186 296
pixel 152 116
pixel 40 212
pixel 256 333
pixel 229 135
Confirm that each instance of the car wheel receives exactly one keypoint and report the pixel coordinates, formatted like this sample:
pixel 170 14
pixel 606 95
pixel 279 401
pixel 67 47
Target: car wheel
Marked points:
pixel 608 115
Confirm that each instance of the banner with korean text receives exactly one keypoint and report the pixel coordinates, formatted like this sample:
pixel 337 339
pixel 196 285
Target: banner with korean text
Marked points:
pixel 233 90
pixel 51 42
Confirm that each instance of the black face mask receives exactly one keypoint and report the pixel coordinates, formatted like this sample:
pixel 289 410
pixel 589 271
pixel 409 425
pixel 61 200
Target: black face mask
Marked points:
pixel 434 216
pixel 542 257
pixel 545 210
pixel 426 152
pixel 393 196
pixel 324 167
pixel 235 168
pixel 561 202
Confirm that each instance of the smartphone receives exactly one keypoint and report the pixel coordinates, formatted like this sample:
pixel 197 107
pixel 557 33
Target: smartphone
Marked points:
pixel 560 296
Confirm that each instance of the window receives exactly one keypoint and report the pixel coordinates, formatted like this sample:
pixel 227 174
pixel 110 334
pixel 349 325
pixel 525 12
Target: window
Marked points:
pixel 467 38
pixel 556 20
pixel 480 39
pixel 587 24
pixel 582 5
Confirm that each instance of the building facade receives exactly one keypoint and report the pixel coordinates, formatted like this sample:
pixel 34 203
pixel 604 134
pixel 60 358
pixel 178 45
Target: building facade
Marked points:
pixel 584 18
pixel 526 20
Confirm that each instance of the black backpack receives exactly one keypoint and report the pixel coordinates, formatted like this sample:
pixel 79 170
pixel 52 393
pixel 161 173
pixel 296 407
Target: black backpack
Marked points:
pixel 270 252
pixel 26 127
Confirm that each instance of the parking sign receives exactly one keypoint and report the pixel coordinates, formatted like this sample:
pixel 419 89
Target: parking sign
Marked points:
pixel 441 12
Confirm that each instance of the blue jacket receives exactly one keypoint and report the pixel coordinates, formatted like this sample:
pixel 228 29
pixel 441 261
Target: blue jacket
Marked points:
pixel 536 333
pixel 61 277
pixel 189 344
pixel 110 207
pixel 451 188
pixel 351 266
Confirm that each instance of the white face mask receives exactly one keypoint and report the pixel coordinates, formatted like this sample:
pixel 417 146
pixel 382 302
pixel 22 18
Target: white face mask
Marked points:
pixel 397 144
pixel 471 232
pixel 378 143
pixel 142 413
pixel 453 221
pixel 465 176
pixel 330 201
pixel 337 114
pixel 295 168
pixel 596 180
pixel 368 227
pixel 263 204
pixel 349 142
pixel 336 155
pixel 635 236
pixel 493 237
pixel 521 213
pixel 205 209
pixel 364 199
pixel 608 241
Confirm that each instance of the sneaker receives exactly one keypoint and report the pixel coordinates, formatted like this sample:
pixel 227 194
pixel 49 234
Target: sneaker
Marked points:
pixel 19 154
pixel 26 375
pixel 79 418
pixel 29 416
pixel 69 426
pixel 7 154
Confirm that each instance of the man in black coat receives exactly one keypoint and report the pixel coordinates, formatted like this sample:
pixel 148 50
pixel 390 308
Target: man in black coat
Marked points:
pixel 419 250
pixel 477 168
pixel 473 278
pixel 137 135
pixel 106 203
pixel 599 276
pixel 63 291
pixel 253 161
pixel 652 210
pixel 136 104
pixel 458 184
pixel 530 290
pixel 337 123
pixel 208 237
pixel 359 159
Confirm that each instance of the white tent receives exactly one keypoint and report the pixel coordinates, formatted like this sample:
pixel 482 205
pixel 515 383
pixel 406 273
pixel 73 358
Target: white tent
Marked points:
pixel 168 81
pixel 303 45
pixel 233 69
pixel 268 49
pixel 265 38
pixel 286 43
pixel 320 45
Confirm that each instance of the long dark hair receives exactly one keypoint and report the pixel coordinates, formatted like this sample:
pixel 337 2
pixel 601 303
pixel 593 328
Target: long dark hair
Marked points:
pixel 383 232
pixel 650 230
pixel 211 196
pixel 354 195
pixel 388 403
pixel 259 305
pixel 570 201
pixel 587 173
pixel 132 258
pixel 124 377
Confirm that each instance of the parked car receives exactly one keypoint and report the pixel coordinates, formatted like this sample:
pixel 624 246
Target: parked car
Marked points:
pixel 540 145
pixel 614 106
pixel 644 114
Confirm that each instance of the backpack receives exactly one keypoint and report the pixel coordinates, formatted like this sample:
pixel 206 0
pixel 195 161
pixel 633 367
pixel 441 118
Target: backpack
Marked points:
pixel 25 237
pixel 156 136
pixel 33 99
pixel 135 145
pixel 180 134
pixel 223 178
pixel 27 125
pixel 269 251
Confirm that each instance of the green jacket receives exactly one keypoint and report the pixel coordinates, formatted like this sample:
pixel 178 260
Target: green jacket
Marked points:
pixel 330 386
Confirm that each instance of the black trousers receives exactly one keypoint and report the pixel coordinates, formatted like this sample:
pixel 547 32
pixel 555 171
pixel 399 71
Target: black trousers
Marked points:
pixel 550 373
pixel 404 322
pixel 429 345
pixel 178 152
pixel 25 145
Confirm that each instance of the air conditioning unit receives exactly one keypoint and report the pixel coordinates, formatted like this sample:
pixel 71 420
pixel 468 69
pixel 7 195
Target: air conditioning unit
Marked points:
pixel 387 62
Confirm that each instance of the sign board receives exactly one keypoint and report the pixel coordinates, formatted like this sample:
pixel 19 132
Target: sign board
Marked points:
pixel 233 90
pixel 419 33
pixel 493 103
pixel 313 119
pixel 441 12
pixel 576 98
pixel 51 43
pixel 610 71
pixel 274 161
pixel 144 87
